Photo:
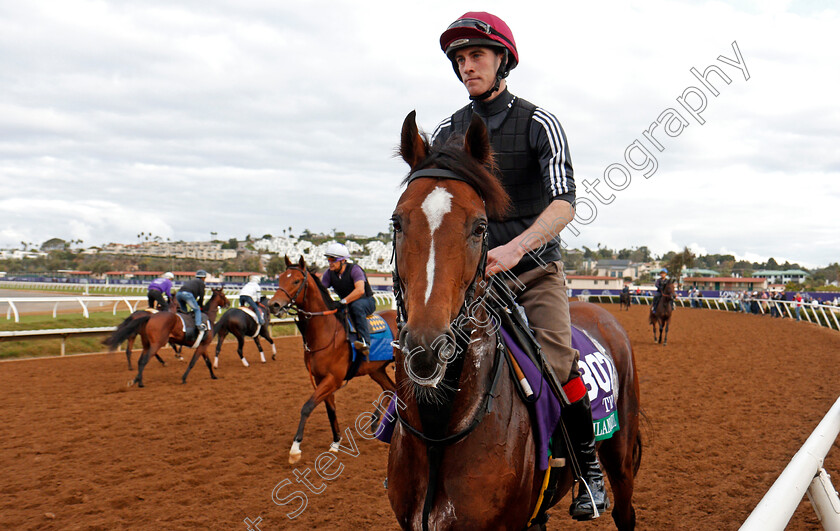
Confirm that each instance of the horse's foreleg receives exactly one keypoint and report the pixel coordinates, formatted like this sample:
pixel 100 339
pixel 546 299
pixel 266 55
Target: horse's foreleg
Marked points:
pixel 200 351
pixel 667 323
pixel 267 336
pixel 330 403
pixel 325 388
pixel 259 347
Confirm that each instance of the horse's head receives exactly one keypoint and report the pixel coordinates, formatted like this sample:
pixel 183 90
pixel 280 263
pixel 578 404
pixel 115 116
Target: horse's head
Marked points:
pixel 670 289
pixel 292 286
pixel 440 240
pixel 218 296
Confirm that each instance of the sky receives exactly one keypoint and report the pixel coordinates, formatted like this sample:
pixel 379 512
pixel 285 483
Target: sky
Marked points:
pixel 188 118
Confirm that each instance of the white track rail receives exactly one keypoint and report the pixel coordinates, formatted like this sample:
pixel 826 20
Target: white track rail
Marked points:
pixel 804 474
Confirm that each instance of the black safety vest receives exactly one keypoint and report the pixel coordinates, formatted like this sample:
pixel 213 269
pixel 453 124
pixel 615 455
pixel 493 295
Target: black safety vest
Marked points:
pixel 344 285
pixel 519 167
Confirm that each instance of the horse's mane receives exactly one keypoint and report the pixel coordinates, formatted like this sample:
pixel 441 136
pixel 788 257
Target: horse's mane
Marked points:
pixel 451 156
pixel 325 293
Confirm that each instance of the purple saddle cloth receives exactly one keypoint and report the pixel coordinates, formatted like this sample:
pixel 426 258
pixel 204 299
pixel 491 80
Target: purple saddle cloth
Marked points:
pixel 598 373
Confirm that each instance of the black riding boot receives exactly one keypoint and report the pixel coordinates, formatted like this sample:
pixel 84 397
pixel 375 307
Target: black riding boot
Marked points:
pixel 577 418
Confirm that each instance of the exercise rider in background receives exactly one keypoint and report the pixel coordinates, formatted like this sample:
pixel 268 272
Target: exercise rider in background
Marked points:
pixel 350 283
pixel 158 288
pixel 250 294
pixel 191 297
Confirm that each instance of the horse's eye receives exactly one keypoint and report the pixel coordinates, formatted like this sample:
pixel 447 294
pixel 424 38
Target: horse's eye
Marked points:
pixel 480 228
pixel 397 225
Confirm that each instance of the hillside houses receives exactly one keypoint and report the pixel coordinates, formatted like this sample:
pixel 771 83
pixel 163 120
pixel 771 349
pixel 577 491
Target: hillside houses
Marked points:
pixel 373 256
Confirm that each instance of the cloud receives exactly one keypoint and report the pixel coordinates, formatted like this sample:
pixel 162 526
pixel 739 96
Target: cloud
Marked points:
pixel 253 116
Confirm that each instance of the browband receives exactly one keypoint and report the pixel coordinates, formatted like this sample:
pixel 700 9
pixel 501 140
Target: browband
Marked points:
pixel 439 173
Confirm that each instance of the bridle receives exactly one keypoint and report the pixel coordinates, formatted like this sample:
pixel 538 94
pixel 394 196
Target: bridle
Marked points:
pixel 435 446
pixel 293 303
pixel 293 308
pixel 469 295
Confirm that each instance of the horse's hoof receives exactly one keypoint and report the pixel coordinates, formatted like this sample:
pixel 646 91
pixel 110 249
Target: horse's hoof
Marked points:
pixel 216 364
pixel 335 445
pixel 214 377
pixel 245 362
pixel 274 356
pixel 294 458
pixel 130 383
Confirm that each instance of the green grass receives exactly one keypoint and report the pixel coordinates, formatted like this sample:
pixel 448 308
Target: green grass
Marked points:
pixel 30 348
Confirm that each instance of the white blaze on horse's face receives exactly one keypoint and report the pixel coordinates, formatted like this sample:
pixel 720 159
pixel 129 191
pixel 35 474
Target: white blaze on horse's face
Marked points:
pixel 435 206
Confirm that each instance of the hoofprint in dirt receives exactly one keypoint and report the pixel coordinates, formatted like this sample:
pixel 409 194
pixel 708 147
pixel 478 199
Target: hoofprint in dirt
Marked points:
pixel 729 401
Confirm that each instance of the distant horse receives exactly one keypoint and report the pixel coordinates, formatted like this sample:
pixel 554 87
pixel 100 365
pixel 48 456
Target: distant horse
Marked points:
pixel 173 306
pixel 156 330
pixel 242 325
pixel 661 315
pixel 624 300
pixel 463 454
pixel 326 350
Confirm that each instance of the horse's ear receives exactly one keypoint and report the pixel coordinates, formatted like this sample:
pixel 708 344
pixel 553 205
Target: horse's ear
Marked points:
pixel 413 147
pixel 476 141
pixel 301 263
pixel 288 262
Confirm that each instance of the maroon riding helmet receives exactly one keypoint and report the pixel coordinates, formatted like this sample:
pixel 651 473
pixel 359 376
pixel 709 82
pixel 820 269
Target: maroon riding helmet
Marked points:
pixel 478 28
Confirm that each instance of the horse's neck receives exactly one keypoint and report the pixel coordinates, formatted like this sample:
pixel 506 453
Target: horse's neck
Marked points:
pixel 212 309
pixel 314 302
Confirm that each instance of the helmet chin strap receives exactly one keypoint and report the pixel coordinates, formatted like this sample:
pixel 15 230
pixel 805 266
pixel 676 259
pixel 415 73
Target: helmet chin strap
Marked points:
pixel 500 75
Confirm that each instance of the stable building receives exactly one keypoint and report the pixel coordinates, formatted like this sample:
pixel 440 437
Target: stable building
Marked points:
pixel 725 283
pixel 592 282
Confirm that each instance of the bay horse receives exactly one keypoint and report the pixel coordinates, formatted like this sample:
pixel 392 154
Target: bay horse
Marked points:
pixel 624 300
pixel 463 454
pixel 156 330
pixel 241 325
pixel 326 350
pixel 129 345
pixel 661 315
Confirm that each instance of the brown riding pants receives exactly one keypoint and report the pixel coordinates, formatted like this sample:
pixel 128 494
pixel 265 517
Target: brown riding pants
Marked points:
pixel 546 305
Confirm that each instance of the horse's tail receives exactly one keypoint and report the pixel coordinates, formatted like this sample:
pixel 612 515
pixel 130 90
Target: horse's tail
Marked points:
pixel 126 329
pixel 637 453
pixel 222 322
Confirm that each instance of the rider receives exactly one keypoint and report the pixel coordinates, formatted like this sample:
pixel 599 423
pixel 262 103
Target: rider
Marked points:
pixel 536 170
pixel 660 285
pixel 160 287
pixel 249 294
pixel 191 297
pixel 351 284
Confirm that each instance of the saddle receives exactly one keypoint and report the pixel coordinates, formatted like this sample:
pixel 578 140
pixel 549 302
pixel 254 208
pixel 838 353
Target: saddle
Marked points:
pixel 250 313
pixel 192 335
pixel 380 343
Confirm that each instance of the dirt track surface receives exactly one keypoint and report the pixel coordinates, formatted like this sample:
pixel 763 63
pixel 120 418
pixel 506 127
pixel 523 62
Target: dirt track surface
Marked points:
pixel 729 400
